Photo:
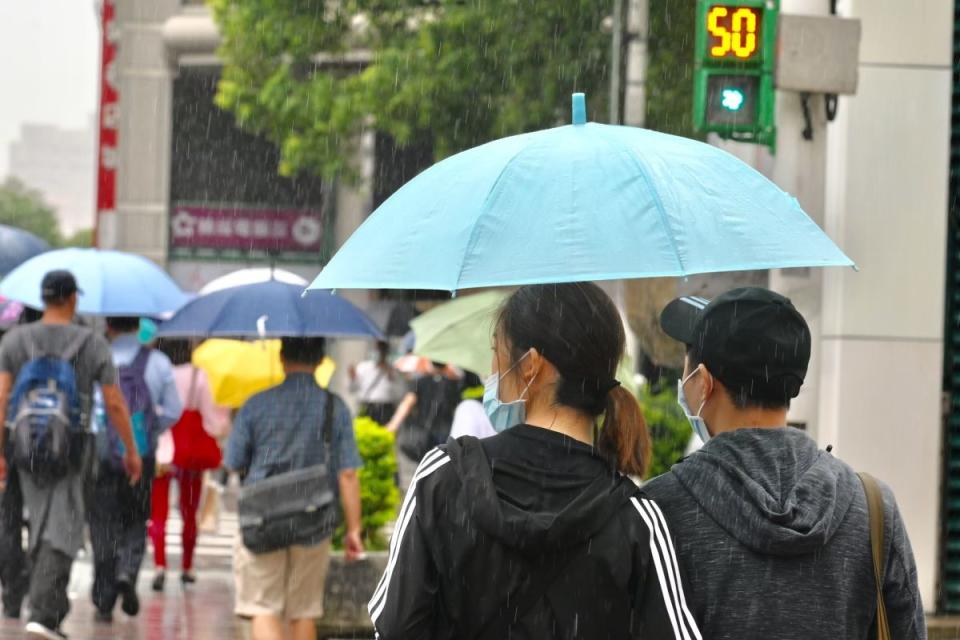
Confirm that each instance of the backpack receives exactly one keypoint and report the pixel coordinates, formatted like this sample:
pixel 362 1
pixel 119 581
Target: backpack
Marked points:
pixel 47 429
pixel 143 415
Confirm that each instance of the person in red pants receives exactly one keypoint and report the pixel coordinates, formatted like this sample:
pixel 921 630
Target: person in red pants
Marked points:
pixel 195 393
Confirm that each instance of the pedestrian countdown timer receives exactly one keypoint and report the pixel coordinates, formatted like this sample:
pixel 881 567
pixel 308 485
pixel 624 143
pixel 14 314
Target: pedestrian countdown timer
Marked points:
pixel 733 92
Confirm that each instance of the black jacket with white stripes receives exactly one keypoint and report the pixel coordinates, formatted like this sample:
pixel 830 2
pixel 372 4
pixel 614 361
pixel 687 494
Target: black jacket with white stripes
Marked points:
pixel 528 535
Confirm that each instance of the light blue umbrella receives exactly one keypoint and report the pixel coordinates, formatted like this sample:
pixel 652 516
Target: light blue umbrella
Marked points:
pixel 113 283
pixel 580 202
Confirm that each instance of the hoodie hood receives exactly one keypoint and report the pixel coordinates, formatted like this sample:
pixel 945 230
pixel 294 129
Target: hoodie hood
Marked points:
pixel 771 489
pixel 543 491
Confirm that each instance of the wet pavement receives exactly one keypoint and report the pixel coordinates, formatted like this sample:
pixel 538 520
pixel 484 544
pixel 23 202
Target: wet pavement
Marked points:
pixel 204 611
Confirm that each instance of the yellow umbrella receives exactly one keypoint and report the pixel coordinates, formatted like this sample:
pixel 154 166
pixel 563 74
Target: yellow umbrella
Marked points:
pixel 238 369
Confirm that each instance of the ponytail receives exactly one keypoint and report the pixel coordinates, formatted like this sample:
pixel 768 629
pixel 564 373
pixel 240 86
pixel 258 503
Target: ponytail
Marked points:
pixel 624 439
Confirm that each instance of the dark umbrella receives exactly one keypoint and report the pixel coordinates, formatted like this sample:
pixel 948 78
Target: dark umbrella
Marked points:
pixel 17 246
pixel 269 309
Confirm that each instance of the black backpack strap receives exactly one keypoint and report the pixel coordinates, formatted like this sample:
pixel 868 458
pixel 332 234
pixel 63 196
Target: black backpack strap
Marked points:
pixel 327 426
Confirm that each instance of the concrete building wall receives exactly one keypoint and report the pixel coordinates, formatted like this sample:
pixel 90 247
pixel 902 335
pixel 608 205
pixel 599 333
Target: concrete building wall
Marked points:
pixel 882 328
pixel 61 164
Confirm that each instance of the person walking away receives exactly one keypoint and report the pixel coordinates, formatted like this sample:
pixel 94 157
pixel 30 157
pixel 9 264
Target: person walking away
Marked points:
pixel 73 359
pixel 14 572
pixel 376 385
pixel 537 533
pixel 775 533
pixel 193 389
pixel 120 510
pixel 424 417
pixel 277 431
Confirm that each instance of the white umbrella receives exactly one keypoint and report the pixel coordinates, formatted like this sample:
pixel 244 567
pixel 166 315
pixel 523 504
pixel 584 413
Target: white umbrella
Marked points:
pixel 252 276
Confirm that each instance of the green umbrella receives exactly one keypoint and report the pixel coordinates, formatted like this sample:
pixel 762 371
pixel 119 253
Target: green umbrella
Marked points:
pixel 460 332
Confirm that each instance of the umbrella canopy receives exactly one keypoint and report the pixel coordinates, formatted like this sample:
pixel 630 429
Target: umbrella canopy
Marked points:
pixel 460 332
pixel 578 203
pixel 114 283
pixel 269 309
pixel 252 276
pixel 10 311
pixel 237 370
pixel 17 246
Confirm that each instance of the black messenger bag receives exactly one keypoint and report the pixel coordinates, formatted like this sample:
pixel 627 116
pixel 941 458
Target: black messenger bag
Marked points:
pixel 294 508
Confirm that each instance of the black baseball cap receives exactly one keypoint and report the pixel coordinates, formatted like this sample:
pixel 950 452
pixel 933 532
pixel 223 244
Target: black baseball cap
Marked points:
pixel 752 339
pixel 58 285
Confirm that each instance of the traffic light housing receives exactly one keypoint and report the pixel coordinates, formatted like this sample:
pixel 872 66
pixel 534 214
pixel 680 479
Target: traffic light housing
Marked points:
pixel 733 93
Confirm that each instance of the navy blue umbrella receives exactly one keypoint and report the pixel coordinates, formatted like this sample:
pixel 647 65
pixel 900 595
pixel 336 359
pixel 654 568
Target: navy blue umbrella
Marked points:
pixel 269 310
pixel 17 246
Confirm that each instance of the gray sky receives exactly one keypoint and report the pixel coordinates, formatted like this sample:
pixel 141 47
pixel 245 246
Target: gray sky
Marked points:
pixel 49 65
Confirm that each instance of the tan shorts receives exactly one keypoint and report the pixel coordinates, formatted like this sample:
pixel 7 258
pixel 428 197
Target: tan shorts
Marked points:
pixel 287 583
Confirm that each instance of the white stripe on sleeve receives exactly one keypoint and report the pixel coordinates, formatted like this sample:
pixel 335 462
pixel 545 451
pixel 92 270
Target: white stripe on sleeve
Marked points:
pixel 655 553
pixel 431 462
pixel 676 567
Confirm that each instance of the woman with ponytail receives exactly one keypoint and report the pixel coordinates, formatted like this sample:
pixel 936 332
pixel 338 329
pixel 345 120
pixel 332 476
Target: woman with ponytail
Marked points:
pixel 538 532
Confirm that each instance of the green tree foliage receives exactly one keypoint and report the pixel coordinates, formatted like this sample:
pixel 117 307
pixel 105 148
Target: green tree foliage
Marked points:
pixel 669 429
pixel 24 208
pixel 452 72
pixel 670 67
pixel 379 495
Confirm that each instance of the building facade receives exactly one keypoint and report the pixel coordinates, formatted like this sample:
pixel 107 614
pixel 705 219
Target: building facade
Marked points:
pixel 60 163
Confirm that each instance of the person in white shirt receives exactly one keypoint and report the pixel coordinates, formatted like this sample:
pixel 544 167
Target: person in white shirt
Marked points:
pixel 471 420
pixel 376 385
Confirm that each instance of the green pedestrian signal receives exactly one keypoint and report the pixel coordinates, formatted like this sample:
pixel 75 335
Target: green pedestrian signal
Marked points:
pixel 733 92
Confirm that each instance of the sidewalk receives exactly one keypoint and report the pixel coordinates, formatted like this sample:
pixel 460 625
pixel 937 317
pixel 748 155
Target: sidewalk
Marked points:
pixel 202 612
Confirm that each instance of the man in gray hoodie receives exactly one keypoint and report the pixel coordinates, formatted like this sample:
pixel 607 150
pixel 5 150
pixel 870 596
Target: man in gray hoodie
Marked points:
pixel 773 533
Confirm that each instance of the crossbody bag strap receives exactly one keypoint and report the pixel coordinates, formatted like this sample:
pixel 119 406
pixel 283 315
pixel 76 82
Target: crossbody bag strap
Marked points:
pixel 875 508
pixel 327 427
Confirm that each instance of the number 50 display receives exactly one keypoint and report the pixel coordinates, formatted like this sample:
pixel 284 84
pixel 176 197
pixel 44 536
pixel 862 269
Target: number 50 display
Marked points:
pixel 733 70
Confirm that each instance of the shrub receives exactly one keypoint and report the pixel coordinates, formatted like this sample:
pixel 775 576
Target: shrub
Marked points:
pixel 379 495
pixel 669 429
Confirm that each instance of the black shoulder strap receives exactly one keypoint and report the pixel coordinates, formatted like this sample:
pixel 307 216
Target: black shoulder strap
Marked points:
pixel 327 427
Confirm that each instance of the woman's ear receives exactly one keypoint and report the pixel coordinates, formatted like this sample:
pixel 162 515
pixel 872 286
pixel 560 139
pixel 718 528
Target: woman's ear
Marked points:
pixel 708 381
pixel 531 365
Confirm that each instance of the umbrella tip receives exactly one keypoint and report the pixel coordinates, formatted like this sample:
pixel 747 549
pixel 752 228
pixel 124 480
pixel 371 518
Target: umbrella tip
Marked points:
pixel 579 108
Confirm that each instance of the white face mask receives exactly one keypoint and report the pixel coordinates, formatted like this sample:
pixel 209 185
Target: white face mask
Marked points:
pixel 504 415
pixel 699 424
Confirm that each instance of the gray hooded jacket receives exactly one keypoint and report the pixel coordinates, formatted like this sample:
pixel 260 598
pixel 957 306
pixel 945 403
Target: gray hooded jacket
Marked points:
pixel 774 536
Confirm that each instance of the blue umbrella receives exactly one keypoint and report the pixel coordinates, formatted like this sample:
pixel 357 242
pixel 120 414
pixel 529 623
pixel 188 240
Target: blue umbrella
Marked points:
pixel 17 246
pixel 579 202
pixel 113 283
pixel 269 309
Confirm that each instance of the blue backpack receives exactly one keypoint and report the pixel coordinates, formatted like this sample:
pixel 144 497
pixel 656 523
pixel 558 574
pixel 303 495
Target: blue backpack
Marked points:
pixel 47 429
pixel 143 415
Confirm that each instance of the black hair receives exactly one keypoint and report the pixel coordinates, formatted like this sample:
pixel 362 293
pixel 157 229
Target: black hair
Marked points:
pixel 179 350
pixel 298 350
pixel 123 324
pixel 744 396
pixel 577 328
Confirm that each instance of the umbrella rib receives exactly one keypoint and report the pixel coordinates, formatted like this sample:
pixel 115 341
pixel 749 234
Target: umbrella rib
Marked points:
pixel 483 209
pixel 658 203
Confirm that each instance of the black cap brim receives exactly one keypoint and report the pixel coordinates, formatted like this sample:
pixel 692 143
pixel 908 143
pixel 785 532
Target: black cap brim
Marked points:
pixel 679 318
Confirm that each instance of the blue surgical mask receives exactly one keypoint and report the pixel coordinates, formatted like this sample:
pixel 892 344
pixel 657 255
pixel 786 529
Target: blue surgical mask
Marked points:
pixel 504 415
pixel 699 424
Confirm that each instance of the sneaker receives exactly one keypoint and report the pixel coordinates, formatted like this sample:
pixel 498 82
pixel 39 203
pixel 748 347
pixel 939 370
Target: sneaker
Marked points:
pixel 187 577
pixel 37 630
pixel 158 581
pixel 129 602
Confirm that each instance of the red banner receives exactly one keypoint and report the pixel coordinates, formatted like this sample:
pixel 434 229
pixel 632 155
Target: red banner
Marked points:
pixel 269 230
pixel 109 120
